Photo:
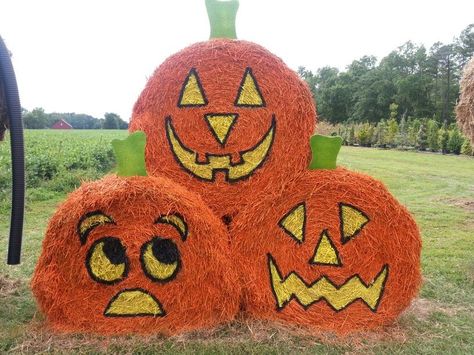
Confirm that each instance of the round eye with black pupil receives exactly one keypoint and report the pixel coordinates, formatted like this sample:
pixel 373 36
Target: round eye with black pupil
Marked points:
pixel 107 261
pixel 160 259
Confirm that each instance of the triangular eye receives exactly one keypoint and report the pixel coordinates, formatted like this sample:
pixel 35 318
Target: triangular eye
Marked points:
pixel 294 222
pixel 352 221
pixel 249 94
pixel 192 93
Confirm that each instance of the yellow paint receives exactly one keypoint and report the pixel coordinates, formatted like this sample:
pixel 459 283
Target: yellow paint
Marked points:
pixel 325 253
pixel 352 221
pixel 102 268
pixel 221 125
pixel 337 297
pixel 93 221
pixel 249 95
pixel 192 94
pixel 293 223
pixel 156 268
pixel 133 303
pixel 176 221
pixel 251 160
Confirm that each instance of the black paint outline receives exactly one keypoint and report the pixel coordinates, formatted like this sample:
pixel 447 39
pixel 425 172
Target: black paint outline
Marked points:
pixel 184 235
pixel 293 296
pixel 194 72
pixel 208 155
pixel 280 222
pixel 212 114
pixel 248 71
pixel 341 222
pixel 311 262
pixel 145 270
pixel 163 312
pixel 89 255
pixel 83 235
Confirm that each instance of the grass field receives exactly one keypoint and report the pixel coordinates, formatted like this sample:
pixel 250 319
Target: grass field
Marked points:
pixel 437 189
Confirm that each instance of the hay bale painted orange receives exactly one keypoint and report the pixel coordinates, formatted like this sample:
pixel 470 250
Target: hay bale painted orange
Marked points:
pixel 135 254
pixel 224 118
pixel 335 252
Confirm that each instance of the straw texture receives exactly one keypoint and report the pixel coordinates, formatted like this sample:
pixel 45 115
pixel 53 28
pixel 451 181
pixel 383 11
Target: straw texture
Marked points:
pixel 217 101
pixel 333 251
pixel 465 105
pixel 138 254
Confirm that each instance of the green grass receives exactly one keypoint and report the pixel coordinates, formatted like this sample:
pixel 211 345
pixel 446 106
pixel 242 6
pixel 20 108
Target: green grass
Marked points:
pixel 438 190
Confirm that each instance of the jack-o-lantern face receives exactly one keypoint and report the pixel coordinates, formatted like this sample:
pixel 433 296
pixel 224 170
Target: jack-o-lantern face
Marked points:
pixel 335 252
pixel 337 296
pixel 107 262
pixel 136 254
pixel 220 125
pixel 223 118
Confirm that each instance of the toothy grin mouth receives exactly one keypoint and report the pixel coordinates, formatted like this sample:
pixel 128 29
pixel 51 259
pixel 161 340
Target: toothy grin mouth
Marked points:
pixel 251 159
pixel 337 297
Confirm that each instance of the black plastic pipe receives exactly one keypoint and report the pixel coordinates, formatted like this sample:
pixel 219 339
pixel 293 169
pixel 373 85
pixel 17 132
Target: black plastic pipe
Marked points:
pixel 8 79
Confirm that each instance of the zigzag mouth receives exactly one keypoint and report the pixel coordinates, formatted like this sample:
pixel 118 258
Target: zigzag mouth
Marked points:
pixel 251 159
pixel 337 297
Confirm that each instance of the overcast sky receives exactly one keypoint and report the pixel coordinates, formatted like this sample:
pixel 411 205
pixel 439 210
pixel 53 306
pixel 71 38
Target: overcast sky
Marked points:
pixel 94 56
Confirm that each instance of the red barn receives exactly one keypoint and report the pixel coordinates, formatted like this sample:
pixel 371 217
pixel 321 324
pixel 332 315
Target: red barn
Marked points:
pixel 61 124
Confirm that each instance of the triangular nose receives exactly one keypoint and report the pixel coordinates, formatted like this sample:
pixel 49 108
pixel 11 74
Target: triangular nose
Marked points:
pixel 325 252
pixel 221 125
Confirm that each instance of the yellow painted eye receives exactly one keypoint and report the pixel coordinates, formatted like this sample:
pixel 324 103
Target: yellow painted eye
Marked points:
pixel 160 259
pixel 106 261
pixel 249 94
pixel 192 93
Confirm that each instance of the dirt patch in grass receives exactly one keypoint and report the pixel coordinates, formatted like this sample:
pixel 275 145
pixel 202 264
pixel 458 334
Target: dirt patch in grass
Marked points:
pixel 466 204
pixel 9 286
pixel 422 308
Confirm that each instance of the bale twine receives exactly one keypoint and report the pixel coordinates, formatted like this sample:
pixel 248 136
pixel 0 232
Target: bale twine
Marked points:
pixel 240 119
pixel 335 251
pixel 137 254
pixel 465 105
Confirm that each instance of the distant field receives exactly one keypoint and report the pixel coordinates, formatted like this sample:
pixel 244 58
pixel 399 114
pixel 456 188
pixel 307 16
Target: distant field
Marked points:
pixel 437 189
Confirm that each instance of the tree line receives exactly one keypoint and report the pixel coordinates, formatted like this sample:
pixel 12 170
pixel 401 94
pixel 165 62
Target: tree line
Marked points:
pixel 423 83
pixel 38 119
pixel 413 133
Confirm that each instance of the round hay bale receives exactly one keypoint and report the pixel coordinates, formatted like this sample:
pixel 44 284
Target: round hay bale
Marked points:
pixel 335 252
pixel 465 105
pixel 138 254
pixel 225 118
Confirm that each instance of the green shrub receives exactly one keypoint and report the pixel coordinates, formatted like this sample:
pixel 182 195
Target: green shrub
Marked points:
pixel 422 137
pixel 455 141
pixel 433 139
pixel 467 148
pixel 443 136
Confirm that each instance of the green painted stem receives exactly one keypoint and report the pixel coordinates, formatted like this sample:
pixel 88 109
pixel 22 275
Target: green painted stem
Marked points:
pixel 130 154
pixel 325 150
pixel 222 16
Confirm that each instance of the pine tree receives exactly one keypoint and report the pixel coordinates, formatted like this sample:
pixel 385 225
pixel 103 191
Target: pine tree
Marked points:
pixel 433 140
pixel 402 138
pixel 380 133
pixel 422 137
pixel 351 138
pixel 392 131
pixel 443 139
pixel 467 148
